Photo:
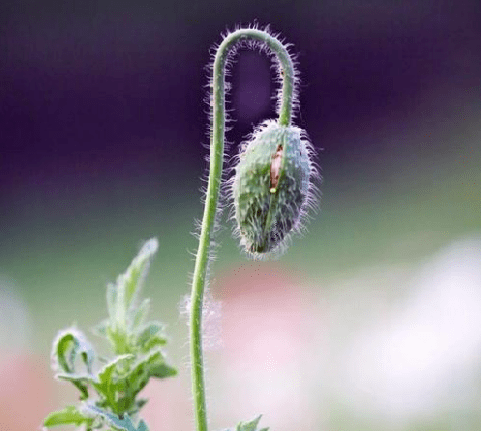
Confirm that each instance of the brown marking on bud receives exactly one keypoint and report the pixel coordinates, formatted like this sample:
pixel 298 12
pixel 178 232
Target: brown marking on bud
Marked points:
pixel 276 168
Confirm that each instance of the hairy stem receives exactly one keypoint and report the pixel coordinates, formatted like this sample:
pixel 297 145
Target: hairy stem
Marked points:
pixel 212 197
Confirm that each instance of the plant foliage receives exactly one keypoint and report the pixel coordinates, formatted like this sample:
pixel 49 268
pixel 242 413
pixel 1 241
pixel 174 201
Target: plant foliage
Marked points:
pixel 109 395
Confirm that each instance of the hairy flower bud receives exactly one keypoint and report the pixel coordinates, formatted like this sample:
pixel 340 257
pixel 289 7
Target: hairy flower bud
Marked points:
pixel 271 187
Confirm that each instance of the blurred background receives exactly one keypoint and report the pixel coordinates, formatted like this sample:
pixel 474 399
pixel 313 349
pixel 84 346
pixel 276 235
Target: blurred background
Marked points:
pixel 371 321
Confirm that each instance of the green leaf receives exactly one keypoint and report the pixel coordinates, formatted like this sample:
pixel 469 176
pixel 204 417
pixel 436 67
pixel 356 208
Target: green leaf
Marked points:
pixel 112 383
pixel 119 340
pixel 152 343
pixel 152 365
pixel 121 380
pixel 131 281
pixel 148 337
pixel 67 346
pixel 81 379
pixel 139 315
pixel 250 426
pixel 69 415
pixel 122 424
pixel 163 370
pixel 122 297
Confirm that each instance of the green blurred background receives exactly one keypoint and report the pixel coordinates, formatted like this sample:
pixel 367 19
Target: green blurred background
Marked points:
pixel 102 124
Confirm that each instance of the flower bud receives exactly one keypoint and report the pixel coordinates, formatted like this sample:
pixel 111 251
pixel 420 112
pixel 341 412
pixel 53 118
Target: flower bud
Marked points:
pixel 271 187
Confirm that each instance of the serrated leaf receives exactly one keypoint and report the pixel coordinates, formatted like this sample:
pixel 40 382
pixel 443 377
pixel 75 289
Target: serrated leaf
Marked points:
pixel 124 424
pixel 68 416
pixel 250 426
pixel 152 343
pixel 131 281
pixel 116 365
pixel 119 340
pixel 163 370
pixel 139 315
pixel 152 365
pixel 156 366
pixel 148 337
pixel 120 381
pixel 112 383
pixel 121 297
pixel 78 380
pixel 68 345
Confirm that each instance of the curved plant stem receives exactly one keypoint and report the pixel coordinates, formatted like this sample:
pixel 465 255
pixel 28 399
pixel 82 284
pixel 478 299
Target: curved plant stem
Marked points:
pixel 212 197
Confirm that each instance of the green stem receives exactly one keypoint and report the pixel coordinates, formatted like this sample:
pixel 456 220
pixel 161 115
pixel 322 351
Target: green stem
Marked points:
pixel 212 197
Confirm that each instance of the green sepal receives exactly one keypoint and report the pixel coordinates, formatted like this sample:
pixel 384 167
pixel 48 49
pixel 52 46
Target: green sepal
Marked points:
pixel 67 416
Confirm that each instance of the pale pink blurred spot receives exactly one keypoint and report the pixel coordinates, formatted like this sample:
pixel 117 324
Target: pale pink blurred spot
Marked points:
pixel 271 329
pixel 422 356
pixel 27 391
pixel 169 407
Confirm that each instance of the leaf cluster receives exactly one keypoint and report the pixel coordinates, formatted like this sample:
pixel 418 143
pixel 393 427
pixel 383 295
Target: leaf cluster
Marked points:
pixel 108 395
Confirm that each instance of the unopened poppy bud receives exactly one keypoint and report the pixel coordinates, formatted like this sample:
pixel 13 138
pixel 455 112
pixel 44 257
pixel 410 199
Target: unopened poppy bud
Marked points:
pixel 271 187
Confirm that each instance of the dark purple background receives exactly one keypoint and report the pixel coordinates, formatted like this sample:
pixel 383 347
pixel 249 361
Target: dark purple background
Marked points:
pixel 106 92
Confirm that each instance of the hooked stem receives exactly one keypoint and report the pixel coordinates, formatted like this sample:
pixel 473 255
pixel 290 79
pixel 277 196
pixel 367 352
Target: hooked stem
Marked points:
pixel 212 197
